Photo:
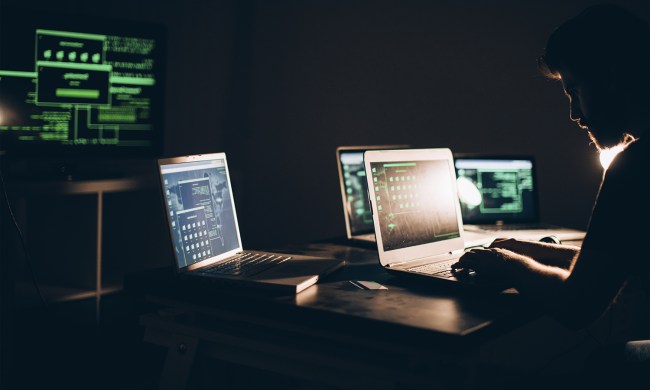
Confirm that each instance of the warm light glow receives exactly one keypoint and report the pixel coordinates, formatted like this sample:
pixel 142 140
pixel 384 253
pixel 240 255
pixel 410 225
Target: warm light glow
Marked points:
pixel 607 155
pixel 468 193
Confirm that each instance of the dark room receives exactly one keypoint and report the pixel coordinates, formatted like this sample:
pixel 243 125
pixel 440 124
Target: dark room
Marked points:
pixel 324 194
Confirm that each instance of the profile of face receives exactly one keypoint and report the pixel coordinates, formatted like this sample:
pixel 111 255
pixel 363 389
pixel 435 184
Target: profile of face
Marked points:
pixel 597 106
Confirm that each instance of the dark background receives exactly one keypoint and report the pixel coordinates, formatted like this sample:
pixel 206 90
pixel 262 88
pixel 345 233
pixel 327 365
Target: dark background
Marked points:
pixel 279 84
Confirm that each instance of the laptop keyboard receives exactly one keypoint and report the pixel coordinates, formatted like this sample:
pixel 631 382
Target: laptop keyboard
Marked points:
pixel 518 226
pixel 246 263
pixel 442 269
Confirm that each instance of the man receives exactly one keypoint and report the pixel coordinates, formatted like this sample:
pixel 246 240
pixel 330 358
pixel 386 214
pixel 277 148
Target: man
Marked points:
pixel 601 59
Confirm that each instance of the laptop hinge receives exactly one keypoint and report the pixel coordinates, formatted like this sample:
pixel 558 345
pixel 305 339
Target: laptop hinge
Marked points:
pixel 392 265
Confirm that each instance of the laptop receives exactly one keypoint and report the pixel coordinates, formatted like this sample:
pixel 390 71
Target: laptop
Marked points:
pixel 416 214
pixel 354 191
pixel 498 194
pixel 205 236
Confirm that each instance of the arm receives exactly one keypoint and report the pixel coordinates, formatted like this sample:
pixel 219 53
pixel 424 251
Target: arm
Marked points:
pixel 578 295
pixel 540 281
pixel 554 255
pixel 614 248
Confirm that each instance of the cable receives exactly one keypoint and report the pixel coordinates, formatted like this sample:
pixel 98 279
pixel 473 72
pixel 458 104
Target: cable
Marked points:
pixel 22 240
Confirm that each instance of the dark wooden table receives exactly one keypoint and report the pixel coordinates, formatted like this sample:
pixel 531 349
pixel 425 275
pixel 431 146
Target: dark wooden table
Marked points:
pixel 334 333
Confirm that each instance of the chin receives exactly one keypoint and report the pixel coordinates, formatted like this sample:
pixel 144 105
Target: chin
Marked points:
pixel 604 140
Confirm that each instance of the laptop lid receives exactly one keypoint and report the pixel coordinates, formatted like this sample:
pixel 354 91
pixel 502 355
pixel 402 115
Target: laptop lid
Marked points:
pixel 200 209
pixel 414 204
pixel 354 188
pixel 497 189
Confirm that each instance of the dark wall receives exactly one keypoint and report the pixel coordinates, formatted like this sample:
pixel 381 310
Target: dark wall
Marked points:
pixel 279 84
pixel 457 74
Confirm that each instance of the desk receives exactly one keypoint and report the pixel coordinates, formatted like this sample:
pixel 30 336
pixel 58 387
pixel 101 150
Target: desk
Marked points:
pixel 332 333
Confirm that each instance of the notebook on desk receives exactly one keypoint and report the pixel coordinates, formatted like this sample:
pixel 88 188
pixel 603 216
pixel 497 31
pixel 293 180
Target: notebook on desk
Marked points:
pixel 416 214
pixel 354 191
pixel 499 194
pixel 205 236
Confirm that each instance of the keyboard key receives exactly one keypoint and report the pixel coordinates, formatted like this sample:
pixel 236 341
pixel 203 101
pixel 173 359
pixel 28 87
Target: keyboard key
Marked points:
pixel 442 269
pixel 246 264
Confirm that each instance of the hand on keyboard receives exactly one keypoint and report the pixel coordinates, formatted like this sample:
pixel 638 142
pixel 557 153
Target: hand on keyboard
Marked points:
pixel 487 266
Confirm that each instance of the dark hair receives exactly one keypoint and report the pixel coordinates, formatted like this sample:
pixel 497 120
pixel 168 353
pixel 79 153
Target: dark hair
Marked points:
pixel 602 37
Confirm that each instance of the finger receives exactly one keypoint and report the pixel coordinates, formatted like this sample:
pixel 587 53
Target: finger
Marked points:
pixel 458 265
pixel 478 255
pixel 503 243
pixel 461 269
pixel 463 262
pixel 476 251
pixel 497 242
pixel 467 259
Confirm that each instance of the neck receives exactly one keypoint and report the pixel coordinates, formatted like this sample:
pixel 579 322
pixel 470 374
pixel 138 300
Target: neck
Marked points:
pixel 607 155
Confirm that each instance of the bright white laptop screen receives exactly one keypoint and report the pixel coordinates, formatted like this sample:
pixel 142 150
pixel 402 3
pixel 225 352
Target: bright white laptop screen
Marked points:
pixel 201 213
pixel 416 202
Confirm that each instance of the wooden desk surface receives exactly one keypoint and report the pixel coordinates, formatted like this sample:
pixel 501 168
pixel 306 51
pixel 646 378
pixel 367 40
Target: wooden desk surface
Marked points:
pixel 412 310
pixel 335 333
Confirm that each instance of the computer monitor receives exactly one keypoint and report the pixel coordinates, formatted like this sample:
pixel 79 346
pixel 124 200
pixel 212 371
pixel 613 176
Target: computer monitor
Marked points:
pixel 497 189
pixel 354 189
pixel 79 87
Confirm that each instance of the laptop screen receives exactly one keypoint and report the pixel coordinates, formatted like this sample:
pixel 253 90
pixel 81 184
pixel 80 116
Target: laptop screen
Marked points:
pixel 416 202
pixel 356 192
pixel 201 212
pixel 496 189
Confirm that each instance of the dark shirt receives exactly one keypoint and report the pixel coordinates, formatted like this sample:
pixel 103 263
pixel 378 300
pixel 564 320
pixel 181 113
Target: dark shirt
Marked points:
pixel 614 263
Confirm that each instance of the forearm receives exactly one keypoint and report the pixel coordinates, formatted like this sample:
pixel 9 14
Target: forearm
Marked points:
pixel 539 281
pixel 549 254
pixel 536 280
pixel 561 256
pixel 578 294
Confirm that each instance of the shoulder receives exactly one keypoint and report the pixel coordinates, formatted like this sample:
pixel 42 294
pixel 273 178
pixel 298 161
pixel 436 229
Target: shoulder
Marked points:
pixel 629 173
pixel 632 160
pixel 622 209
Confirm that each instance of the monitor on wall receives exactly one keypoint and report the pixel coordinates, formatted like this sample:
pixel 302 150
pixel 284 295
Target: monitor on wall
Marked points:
pixel 79 87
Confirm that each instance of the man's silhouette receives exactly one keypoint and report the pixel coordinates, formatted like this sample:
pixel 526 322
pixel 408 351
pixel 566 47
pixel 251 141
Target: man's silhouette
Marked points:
pixel 601 59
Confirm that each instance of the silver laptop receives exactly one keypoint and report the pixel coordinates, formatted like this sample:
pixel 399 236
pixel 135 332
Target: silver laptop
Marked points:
pixel 416 214
pixel 354 191
pixel 205 235
pixel 498 194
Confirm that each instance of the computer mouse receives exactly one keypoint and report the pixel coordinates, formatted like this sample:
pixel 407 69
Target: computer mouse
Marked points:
pixel 550 239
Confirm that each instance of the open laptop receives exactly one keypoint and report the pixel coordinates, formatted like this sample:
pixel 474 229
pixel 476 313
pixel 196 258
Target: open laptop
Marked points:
pixel 205 235
pixel 354 191
pixel 416 214
pixel 498 194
